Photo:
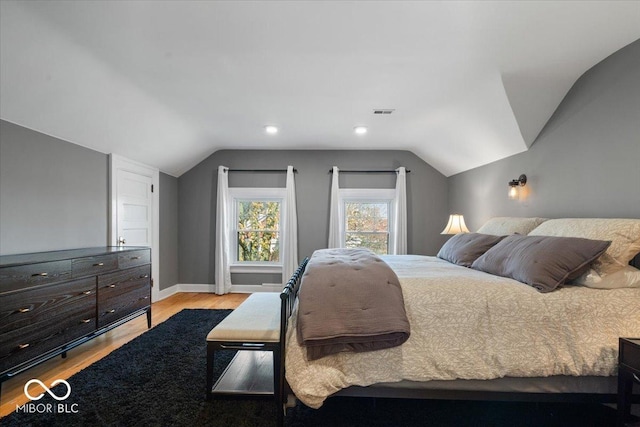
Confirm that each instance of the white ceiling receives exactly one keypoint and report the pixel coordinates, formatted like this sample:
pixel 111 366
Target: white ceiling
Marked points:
pixel 169 82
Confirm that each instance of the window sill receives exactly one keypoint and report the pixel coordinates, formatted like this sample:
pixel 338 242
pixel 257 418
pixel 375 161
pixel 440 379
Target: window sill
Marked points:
pixel 255 268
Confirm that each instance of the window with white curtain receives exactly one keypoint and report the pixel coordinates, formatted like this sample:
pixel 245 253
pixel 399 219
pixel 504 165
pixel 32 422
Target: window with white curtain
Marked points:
pixel 256 235
pixel 367 218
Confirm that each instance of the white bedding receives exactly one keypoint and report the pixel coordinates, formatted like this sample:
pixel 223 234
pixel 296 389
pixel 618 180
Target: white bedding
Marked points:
pixel 466 324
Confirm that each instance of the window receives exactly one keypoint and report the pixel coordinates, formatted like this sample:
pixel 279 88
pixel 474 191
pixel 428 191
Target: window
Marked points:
pixel 256 234
pixel 367 218
pixel 367 225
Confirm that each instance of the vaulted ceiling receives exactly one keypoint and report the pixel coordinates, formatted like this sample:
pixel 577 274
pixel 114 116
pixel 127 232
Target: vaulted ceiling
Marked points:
pixel 169 82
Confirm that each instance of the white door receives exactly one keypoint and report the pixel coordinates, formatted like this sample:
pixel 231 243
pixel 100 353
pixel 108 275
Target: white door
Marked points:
pixel 135 209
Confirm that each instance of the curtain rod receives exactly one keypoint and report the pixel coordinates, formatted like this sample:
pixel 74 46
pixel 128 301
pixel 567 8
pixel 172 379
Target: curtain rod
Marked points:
pixel 262 170
pixel 368 171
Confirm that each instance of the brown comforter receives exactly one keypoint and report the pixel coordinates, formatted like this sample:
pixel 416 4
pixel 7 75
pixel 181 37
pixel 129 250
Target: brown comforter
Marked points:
pixel 349 300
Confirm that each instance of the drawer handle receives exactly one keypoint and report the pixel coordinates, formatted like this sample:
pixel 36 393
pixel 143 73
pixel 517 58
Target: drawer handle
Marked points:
pixel 86 293
pixel 144 276
pixel 23 346
pixel 98 264
pixel 111 311
pixel 135 257
pixel 24 310
pixel 635 377
pixel 112 286
pixel 40 275
pixel 85 321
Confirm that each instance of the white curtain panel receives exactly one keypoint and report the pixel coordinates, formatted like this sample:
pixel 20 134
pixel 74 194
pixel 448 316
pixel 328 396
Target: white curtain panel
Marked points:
pixel 399 244
pixel 223 237
pixel 334 212
pixel 290 230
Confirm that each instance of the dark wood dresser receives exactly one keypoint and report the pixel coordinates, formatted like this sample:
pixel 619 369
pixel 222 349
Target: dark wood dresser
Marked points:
pixel 51 302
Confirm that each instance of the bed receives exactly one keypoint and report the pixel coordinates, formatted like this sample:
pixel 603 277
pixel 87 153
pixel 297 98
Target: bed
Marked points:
pixel 485 336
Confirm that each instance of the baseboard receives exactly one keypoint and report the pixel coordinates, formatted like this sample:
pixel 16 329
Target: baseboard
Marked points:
pixel 198 287
pixel 210 289
pixel 167 292
pixel 250 289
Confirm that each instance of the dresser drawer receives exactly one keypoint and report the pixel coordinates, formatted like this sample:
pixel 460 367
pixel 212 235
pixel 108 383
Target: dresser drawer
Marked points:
pixel 630 353
pixel 22 346
pixel 118 281
pixel 39 305
pixel 118 306
pixel 89 266
pixel 35 321
pixel 25 276
pixel 122 293
pixel 134 258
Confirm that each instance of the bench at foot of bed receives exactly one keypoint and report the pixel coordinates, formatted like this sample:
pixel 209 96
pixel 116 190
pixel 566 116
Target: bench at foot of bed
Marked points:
pixel 254 330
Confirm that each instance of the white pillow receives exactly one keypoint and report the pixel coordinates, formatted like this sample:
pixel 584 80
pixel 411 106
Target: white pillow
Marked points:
pixel 624 235
pixel 505 225
pixel 627 277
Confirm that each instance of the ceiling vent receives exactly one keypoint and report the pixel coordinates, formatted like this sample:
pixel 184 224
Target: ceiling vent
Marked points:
pixel 384 110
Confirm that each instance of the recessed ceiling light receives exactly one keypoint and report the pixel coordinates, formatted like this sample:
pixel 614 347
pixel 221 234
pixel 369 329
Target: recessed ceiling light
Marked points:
pixel 360 130
pixel 270 129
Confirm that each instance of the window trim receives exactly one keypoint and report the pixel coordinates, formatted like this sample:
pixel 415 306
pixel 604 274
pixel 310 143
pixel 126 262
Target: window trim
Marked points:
pixel 253 193
pixel 364 195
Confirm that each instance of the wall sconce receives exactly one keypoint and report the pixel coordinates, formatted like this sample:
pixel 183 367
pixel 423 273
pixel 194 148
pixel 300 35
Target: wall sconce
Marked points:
pixel 455 225
pixel 514 186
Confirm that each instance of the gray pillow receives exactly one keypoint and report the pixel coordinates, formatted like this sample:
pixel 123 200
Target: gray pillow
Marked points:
pixel 464 248
pixel 543 262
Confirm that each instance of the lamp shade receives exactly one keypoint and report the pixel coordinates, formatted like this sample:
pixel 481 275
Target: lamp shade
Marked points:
pixel 455 225
pixel 514 186
pixel 513 193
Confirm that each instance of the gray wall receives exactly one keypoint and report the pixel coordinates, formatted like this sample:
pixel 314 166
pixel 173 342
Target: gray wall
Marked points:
pixel 168 231
pixel 426 194
pixel 53 194
pixel 585 162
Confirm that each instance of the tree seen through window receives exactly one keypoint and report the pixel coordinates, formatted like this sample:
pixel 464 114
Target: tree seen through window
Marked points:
pixel 258 230
pixel 367 225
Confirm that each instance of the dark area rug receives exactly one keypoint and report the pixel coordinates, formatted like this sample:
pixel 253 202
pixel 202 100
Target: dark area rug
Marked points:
pixel 158 379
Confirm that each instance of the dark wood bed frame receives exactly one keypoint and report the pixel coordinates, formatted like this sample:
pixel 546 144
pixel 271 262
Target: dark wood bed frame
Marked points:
pixel 288 297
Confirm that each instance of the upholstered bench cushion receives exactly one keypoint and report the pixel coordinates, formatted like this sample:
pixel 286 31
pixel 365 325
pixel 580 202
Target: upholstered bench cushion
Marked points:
pixel 257 319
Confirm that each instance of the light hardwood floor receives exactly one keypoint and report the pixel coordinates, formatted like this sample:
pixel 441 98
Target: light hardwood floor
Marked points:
pixel 94 350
